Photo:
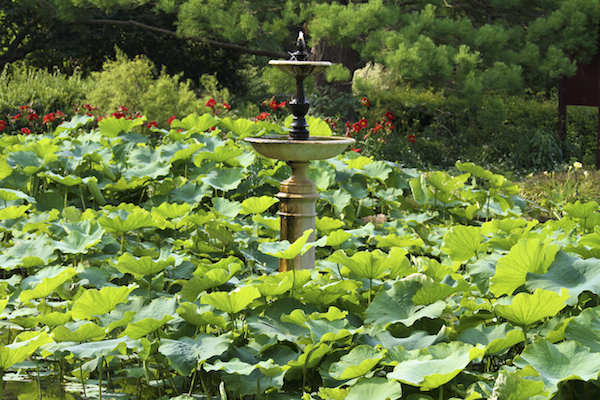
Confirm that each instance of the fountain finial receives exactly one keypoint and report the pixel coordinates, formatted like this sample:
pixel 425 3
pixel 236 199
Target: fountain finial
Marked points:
pixel 300 54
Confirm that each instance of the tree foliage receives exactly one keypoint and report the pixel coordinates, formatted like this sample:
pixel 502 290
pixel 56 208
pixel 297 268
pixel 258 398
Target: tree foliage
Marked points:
pixel 461 47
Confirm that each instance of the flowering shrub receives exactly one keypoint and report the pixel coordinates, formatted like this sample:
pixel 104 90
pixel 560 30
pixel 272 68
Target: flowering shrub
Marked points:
pixel 27 120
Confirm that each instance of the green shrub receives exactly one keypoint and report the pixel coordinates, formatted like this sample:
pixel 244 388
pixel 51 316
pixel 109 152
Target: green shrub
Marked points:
pixel 136 85
pixel 42 90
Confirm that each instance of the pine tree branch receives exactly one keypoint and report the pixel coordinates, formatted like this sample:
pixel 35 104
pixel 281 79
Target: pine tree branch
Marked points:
pixel 211 42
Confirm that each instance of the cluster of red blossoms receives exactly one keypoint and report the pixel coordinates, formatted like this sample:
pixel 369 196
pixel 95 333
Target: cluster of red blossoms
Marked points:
pixel 27 119
pixel 212 103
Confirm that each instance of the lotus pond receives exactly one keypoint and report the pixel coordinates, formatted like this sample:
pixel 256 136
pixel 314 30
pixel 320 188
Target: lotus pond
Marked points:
pixel 145 268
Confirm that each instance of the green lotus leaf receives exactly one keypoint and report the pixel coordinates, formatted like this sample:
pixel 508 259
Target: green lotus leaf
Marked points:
pixel 358 162
pixel 230 264
pixel 568 272
pixel 112 126
pixel 210 280
pixel 323 295
pixel 528 255
pixel 258 205
pixel 462 243
pixel 339 199
pixel 357 190
pixel 12 195
pixel 77 242
pixel 418 187
pixel 233 366
pixel 328 224
pixel 240 127
pixel 99 302
pixel 178 151
pixel 225 179
pixel 559 362
pixel 585 328
pixel 495 338
pixel 338 237
pixel 513 386
pixel 443 182
pixel 124 221
pixel 580 210
pixel 368 265
pixel 53 319
pixel 358 362
pixel 286 250
pixel 318 127
pixel 475 170
pixel 377 170
pixel 105 348
pixel 227 208
pixel 273 223
pixel 311 356
pixel 26 161
pixel 172 211
pixel 221 154
pixel 432 291
pixel 144 266
pixel 321 178
pixel 393 240
pixel 27 253
pixel 231 302
pixel 141 328
pixel 144 162
pixel 528 309
pixel 190 193
pixel 69 180
pixel 322 330
pixel 434 366
pixel 5 169
pixel 415 341
pixel 76 122
pixel 374 388
pixel 78 332
pixel 200 316
pixel 14 212
pixel 185 354
pixel 44 282
pixel 17 352
pixel 193 122
pixel 396 305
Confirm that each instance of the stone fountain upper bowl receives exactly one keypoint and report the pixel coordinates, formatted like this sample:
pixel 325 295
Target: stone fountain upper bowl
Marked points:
pixel 300 69
pixel 313 148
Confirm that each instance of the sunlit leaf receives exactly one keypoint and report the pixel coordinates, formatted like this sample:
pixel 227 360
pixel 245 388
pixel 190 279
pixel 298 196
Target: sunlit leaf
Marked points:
pixel 98 302
pixel 231 302
pixel 185 354
pixel 527 309
pixel 358 362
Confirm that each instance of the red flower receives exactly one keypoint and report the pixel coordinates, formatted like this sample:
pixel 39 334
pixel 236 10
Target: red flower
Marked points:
pixel 152 124
pixel 365 102
pixel 263 115
pixel 2 125
pixel 123 109
pixel 48 118
pixel 25 131
pixel 118 115
pixel 100 118
pixel 390 115
pixel 170 120
pixel 282 104
pixel 211 103
pixel 356 150
pixel 356 127
pixel 227 106
pixel 16 117
pixel 59 114
pixel 412 138
pixel 377 128
pixel 389 125
pixel 23 108
pixel 32 116
pixel 363 123
pixel 274 105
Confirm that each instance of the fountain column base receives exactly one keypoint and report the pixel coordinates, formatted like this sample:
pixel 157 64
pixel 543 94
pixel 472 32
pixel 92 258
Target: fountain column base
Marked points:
pixel 298 198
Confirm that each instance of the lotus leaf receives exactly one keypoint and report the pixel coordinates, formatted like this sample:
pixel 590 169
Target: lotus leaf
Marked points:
pixel 98 302
pixel 358 362
pixel 78 332
pixel 462 243
pixel 186 354
pixel 495 338
pixel 528 309
pixel 225 180
pixel 232 302
pixel 559 362
pixel 374 388
pixel 286 250
pixel 17 352
pixel 44 282
pixel 258 205
pixel 112 126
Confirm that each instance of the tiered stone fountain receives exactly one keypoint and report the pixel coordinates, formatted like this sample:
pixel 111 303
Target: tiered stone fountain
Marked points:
pixel 298 194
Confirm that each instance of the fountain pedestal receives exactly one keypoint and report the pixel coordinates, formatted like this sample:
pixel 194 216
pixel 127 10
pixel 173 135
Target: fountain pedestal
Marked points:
pixel 297 210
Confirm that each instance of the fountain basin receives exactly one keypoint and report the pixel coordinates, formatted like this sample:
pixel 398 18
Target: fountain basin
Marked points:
pixel 313 148
pixel 300 69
